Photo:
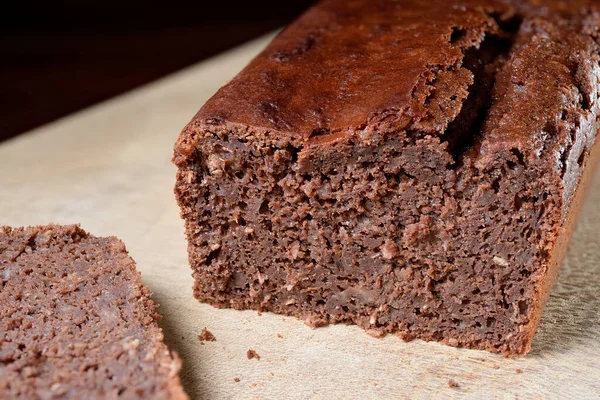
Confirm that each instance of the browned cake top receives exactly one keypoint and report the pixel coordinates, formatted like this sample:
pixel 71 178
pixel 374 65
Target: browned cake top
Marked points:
pixel 368 65
pixel 76 320
pixel 347 63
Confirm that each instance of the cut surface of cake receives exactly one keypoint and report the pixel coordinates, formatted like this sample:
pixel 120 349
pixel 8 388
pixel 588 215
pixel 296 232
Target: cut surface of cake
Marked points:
pixel 76 321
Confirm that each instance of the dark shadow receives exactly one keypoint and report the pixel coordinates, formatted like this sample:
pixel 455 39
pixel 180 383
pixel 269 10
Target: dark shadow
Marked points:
pixel 174 339
pixel 112 47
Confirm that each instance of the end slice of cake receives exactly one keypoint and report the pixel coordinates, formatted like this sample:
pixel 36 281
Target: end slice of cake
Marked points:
pixel 410 167
pixel 76 321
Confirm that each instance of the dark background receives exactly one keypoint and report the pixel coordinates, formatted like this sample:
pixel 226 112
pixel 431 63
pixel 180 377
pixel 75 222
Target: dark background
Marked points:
pixel 59 57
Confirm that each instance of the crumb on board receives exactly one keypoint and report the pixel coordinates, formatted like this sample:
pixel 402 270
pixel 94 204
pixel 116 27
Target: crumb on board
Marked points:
pixel 496 366
pixel 519 371
pixel 376 333
pixel 252 354
pixel 206 336
pixel 236 379
pixel 452 383
pixel 279 336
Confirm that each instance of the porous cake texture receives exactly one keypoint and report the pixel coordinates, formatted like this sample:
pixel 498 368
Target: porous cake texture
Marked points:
pixel 76 321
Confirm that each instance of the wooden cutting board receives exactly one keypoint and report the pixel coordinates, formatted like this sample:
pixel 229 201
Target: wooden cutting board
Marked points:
pixel 109 169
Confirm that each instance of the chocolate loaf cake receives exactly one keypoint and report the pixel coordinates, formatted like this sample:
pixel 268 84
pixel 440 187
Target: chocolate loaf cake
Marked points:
pixel 410 167
pixel 76 322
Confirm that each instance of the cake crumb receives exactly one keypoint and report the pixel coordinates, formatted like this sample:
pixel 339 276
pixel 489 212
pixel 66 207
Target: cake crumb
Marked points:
pixel 279 336
pixel 236 379
pixel 389 250
pixel 500 261
pixel 452 383
pixel 252 354
pixel 206 336
pixel 376 333
pixel 519 371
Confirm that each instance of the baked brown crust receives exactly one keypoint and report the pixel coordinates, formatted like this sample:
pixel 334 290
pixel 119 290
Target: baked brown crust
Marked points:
pixel 77 321
pixel 406 166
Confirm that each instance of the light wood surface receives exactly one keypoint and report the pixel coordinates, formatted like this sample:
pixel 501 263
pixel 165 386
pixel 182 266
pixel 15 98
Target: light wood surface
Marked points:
pixel 109 169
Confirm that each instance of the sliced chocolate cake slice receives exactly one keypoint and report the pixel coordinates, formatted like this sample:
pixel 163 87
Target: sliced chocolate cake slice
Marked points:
pixel 76 321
